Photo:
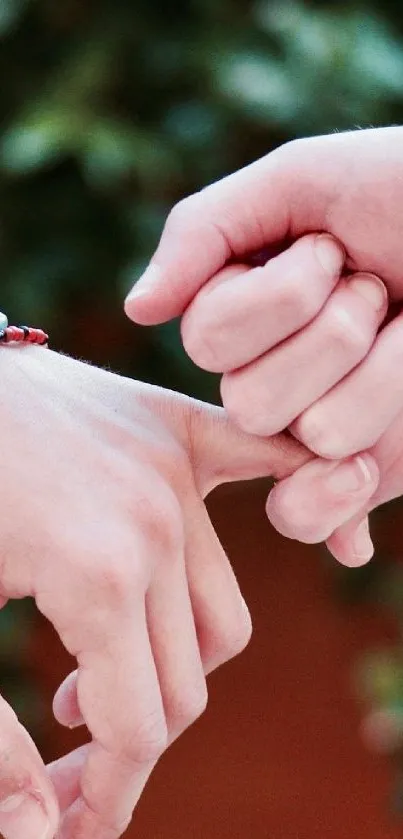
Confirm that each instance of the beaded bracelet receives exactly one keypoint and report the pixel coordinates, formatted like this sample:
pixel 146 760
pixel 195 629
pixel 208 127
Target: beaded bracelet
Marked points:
pixel 27 334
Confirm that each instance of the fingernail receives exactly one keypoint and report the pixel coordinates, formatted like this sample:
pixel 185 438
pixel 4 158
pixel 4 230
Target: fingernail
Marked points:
pixel 371 288
pixel 329 253
pixel 350 476
pixel 22 817
pixel 362 542
pixel 146 283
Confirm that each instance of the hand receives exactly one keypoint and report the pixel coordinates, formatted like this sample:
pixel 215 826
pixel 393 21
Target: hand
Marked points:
pixel 347 185
pixel 318 369
pixel 102 522
pixel 293 323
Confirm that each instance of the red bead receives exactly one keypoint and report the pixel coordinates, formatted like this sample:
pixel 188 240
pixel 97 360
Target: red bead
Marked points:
pixel 30 335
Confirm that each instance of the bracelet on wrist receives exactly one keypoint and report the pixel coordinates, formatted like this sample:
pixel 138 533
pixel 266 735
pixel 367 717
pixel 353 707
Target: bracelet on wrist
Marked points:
pixel 21 334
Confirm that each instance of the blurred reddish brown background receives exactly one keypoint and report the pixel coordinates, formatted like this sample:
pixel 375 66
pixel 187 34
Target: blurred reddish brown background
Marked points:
pixel 278 752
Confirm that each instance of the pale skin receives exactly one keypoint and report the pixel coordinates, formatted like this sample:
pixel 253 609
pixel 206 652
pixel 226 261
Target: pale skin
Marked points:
pixel 298 340
pixel 102 521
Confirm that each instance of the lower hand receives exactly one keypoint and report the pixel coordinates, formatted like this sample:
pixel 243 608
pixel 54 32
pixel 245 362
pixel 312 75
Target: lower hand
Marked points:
pixel 102 521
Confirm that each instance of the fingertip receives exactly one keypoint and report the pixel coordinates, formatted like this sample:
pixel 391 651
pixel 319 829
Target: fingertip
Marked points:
pixel 150 302
pixel 66 710
pixel 147 284
pixel 372 289
pixel 351 544
pixel 142 311
pixel 330 253
pixel 196 344
pixel 140 315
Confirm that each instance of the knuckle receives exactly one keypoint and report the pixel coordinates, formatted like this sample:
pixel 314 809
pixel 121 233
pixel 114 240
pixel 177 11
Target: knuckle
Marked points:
pixel 113 583
pixel 148 741
pixel 201 340
pixel 291 157
pixel 191 705
pixel 248 406
pixel 230 397
pixel 230 636
pixel 320 436
pixel 234 400
pixel 295 299
pixel 345 333
pixel 236 636
pixel 180 214
pixel 159 518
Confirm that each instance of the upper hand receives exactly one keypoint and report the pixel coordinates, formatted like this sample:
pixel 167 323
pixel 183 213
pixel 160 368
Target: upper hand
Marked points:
pixel 290 328
pixel 298 346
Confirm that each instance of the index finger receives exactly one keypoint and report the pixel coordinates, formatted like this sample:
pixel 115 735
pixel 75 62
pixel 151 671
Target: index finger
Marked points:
pixel 253 208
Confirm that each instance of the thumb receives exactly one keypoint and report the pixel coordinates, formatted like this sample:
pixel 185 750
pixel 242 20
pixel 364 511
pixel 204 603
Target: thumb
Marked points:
pixel 221 452
pixel 28 805
pixel 252 209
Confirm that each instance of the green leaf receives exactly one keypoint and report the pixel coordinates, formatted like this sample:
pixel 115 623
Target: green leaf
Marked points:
pixel 260 85
pixel 37 142
pixel 377 58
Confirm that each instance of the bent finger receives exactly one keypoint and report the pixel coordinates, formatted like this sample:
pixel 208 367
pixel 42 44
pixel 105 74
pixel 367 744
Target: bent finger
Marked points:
pixel 65 775
pixel 213 626
pixel 321 496
pixel 117 687
pixel 112 680
pixel 266 396
pixel 340 424
pixel 80 818
pixel 175 646
pixel 65 703
pixel 242 313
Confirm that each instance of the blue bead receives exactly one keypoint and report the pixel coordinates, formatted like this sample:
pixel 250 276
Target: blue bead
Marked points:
pixel 3 321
